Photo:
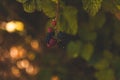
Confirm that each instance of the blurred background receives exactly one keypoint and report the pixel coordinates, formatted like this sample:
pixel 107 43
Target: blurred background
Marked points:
pixel 85 44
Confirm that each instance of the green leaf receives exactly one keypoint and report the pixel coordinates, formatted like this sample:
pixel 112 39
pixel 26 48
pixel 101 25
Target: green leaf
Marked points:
pixel 21 1
pixel 97 24
pixel 62 24
pixel 70 15
pixel 38 5
pixel 101 60
pixel 89 36
pixel 107 55
pixel 49 8
pixel 87 51
pixel 102 64
pixel 92 25
pixel 29 6
pixel 107 74
pixel 73 49
pixel 96 57
pixel 117 3
pixel 118 6
pixel 92 6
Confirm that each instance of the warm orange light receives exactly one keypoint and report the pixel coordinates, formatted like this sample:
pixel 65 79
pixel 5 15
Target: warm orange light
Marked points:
pixel 35 44
pixel 17 52
pixel 2 59
pixel 31 56
pixel 10 26
pixel 23 64
pixel 22 52
pixel 2 25
pixel 16 71
pixel 55 78
pixel 14 52
pixel 19 65
pixel 19 26
pixel 31 70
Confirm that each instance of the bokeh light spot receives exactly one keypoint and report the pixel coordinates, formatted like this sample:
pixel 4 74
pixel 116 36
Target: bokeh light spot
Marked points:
pixel 22 52
pixel 23 64
pixel 32 70
pixel 17 52
pixel 10 26
pixel 55 78
pixel 14 52
pixel 35 44
pixel 16 71
pixel 31 56
pixel 19 26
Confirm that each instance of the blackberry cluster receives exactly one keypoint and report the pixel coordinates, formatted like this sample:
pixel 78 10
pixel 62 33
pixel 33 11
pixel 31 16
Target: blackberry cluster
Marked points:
pixel 55 39
pixel 50 40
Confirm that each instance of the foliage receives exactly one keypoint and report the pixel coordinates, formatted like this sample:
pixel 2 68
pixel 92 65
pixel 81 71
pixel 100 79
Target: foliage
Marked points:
pixel 87 51
pixel 70 15
pixel 29 6
pixel 93 30
pixel 107 74
pixel 117 3
pixel 92 6
pixel 74 49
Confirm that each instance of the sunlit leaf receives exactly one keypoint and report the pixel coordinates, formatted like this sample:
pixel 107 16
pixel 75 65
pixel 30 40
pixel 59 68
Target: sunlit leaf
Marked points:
pixel 29 6
pixel 49 8
pixel 118 6
pixel 92 6
pixel 107 74
pixel 38 5
pixel 70 15
pixel 87 51
pixel 102 64
pixel 117 3
pixel 73 49
pixel 108 55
